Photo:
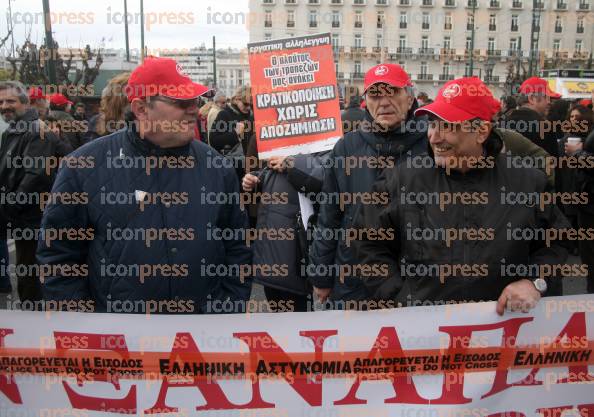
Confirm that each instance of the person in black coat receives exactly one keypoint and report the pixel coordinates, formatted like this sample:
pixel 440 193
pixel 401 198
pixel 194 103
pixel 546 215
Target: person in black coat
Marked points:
pixel 585 183
pixel 528 119
pixel 353 116
pixel 24 183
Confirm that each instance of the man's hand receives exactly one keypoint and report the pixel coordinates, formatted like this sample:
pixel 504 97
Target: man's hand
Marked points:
pixel 518 296
pixel 249 182
pixel 571 148
pixel 240 129
pixel 278 163
pixel 322 293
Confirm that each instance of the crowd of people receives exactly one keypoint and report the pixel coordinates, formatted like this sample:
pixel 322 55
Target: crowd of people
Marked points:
pixel 159 202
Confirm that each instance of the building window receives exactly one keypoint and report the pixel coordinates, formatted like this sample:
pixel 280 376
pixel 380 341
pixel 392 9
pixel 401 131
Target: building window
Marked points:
pixel 447 21
pixel 358 19
pixel 467 70
pixel 358 41
pixel 402 64
pixel 267 36
pixel 267 19
pixel 425 43
pixel 447 42
pixel 513 44
pixel 403 20
pixel 335 19
pixel 402 42
pixel 291 19
pixel 380 19
pixel 426 25
pixel 423 68
pixel 469 22
pixel 358 67
pixel 578 45
pixel 491 44
pixel 514 23
pixel 558 24
pixel 313 19
pixel 335 43
pixel 492 23
pixel 379 40
pixel 580 25
pixel 446 69
pixel 556 45
pixel 468 43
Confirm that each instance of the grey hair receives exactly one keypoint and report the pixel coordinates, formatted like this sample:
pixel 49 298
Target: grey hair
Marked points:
pixel 18 87
pixel 219 95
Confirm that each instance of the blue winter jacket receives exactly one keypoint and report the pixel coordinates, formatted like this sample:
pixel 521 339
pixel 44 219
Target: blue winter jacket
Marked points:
pixel 124 203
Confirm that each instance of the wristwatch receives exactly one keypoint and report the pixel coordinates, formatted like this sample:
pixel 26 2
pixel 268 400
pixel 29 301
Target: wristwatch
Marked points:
pixel 541 285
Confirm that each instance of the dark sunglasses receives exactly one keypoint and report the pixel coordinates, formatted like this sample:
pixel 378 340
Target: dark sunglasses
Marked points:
pixel 182 104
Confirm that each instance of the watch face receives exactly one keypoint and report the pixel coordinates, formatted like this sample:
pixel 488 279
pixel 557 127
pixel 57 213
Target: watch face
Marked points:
pixel 540 284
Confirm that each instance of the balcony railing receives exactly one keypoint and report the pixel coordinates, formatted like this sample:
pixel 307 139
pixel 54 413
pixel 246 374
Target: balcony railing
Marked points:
pixel 492 79
pixel 425 26
pixel 494 4
pixel 358 24
pixel 514 28
pixel 516 5
pixel 404 3
pixel 267 24
pixel 561 6
pixel 580 29
pixel 558 28
pixel 427 3
pixel 514 53
pixel 335 24
pixel 492 28
pixel 426 51
pixel 450 3
pixel 426 77
pixel 584 6
pixel 291 24
pixel 469 26
pixel 403 25
pixel 404 50
pixel 493 52
pixel 357 75
pixel 447 26
pixel 313 24
pixel 357 49
pixel 539 5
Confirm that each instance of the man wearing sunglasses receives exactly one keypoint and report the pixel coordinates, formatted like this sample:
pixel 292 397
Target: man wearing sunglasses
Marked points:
pixel 456 215
pixel 147 204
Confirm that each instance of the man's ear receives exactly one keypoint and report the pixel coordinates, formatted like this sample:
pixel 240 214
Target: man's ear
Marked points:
pixel 411 100
pixel 484 131
pixel 139 108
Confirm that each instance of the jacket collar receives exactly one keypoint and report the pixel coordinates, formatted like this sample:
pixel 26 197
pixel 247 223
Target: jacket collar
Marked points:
pixel 23 123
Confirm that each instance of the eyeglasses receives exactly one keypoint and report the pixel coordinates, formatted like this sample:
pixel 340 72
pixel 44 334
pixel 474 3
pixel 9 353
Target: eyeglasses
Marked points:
pixel 182 104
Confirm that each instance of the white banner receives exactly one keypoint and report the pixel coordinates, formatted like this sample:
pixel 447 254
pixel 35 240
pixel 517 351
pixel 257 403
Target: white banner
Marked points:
pixel 456 360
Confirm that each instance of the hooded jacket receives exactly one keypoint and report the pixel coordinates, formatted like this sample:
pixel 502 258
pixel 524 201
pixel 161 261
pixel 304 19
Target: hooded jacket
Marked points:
pixel 354 165
pixel 420 264
pixel 151 228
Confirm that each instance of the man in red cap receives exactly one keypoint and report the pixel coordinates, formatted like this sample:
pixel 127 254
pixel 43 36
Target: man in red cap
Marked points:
pixel 534 100
pixel 458 222
pixel 39 101
pixel 72 130
pixel 390 134
pixel 156 203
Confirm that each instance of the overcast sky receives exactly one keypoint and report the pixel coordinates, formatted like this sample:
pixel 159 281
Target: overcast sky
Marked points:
pixel 92 22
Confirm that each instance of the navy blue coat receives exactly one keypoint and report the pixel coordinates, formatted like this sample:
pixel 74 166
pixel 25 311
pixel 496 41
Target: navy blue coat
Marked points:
pixel 197 268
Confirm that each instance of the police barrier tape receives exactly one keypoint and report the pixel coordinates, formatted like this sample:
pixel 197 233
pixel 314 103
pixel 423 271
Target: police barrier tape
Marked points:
pixel 458 355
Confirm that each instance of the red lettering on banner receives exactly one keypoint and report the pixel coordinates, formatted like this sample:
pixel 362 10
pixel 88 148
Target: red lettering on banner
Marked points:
pixel 575 329
pixel 508 414
pixel 553 411
pixel 112 342
pixel 8 385
pixel 460 337
pixel 261 343
pixel 211 391
pixel 406 392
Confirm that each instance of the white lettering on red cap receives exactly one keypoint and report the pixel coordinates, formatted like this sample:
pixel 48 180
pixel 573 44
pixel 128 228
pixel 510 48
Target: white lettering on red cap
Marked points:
pixel 381 70
pixel 451 91
pixel 181 71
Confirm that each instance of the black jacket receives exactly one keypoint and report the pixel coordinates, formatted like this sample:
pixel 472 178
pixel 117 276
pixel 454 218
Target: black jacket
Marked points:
pixel 412 263
pixel 73 130
pixel 529 123
pixel 278 234
pixel 222 135
pixel 352 117
pixel 28 181
pixel 584 179
pixel 330 249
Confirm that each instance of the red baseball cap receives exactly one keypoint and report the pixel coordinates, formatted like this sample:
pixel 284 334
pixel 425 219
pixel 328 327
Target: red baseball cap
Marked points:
pixel 463 99
pixel 538 86
pixel 390 74
pixel 58 99
pixel 163 77
pixel 36 93
pixel 585 102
